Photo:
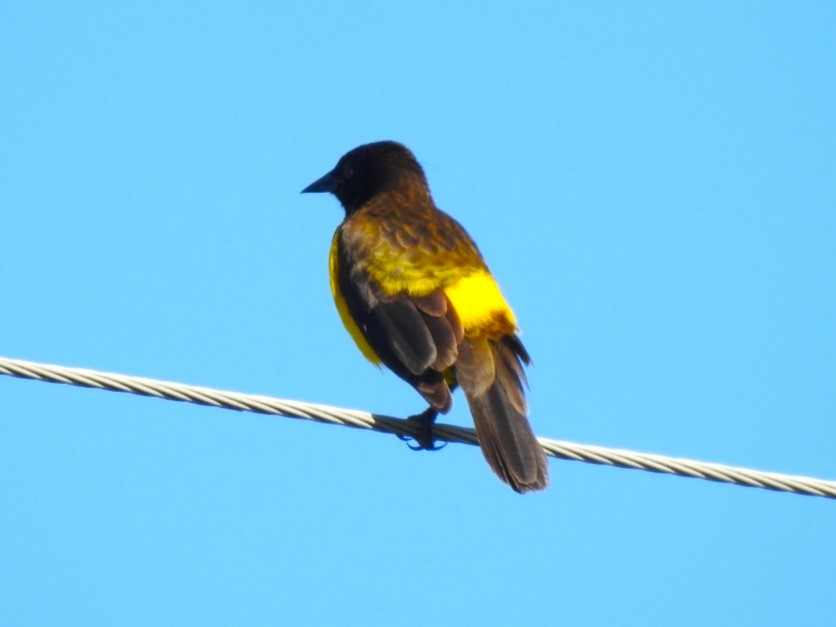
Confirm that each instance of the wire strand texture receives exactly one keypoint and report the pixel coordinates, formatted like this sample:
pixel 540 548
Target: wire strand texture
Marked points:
pixel 387 424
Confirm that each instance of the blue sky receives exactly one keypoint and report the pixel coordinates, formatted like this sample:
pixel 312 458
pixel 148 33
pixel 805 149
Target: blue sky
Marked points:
pixel 652 184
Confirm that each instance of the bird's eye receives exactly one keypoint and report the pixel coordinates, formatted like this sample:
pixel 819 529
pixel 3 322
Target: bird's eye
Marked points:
pixel 348 172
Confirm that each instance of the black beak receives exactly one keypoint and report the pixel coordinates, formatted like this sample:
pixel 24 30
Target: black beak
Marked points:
pixel 327 183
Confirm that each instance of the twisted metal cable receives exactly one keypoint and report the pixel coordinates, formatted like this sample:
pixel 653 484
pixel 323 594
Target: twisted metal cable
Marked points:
pixel 442 432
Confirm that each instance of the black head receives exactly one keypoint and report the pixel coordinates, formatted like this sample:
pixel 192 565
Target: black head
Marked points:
pixel 368 170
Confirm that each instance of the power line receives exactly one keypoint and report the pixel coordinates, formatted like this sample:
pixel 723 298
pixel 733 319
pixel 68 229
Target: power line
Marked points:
pixel 442 432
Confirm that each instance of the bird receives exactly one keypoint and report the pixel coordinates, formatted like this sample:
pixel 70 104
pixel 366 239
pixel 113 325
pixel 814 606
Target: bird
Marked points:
pixel 414 292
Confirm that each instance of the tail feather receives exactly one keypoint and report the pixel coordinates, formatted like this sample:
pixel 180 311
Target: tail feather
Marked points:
pixel 492 378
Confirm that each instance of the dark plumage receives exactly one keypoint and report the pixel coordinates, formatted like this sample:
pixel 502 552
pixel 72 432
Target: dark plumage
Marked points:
pixel 414 292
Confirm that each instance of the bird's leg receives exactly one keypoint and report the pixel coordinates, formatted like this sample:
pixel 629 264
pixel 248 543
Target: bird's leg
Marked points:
pixel 425 440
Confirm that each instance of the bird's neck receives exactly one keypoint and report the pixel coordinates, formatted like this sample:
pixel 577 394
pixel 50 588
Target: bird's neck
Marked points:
pixel 408 190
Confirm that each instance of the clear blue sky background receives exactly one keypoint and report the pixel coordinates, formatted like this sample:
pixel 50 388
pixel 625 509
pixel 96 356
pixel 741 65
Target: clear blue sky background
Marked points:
pixel 654 186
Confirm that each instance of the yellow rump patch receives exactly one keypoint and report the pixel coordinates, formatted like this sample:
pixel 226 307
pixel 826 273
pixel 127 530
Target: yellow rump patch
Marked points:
pixel 480 304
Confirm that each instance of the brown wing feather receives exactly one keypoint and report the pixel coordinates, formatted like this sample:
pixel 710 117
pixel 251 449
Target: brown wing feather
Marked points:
pixel 404 330
pixel 444 326
pixel 416 337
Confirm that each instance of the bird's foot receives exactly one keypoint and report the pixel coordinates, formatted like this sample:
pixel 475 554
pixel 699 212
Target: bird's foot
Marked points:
pixel 425 441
